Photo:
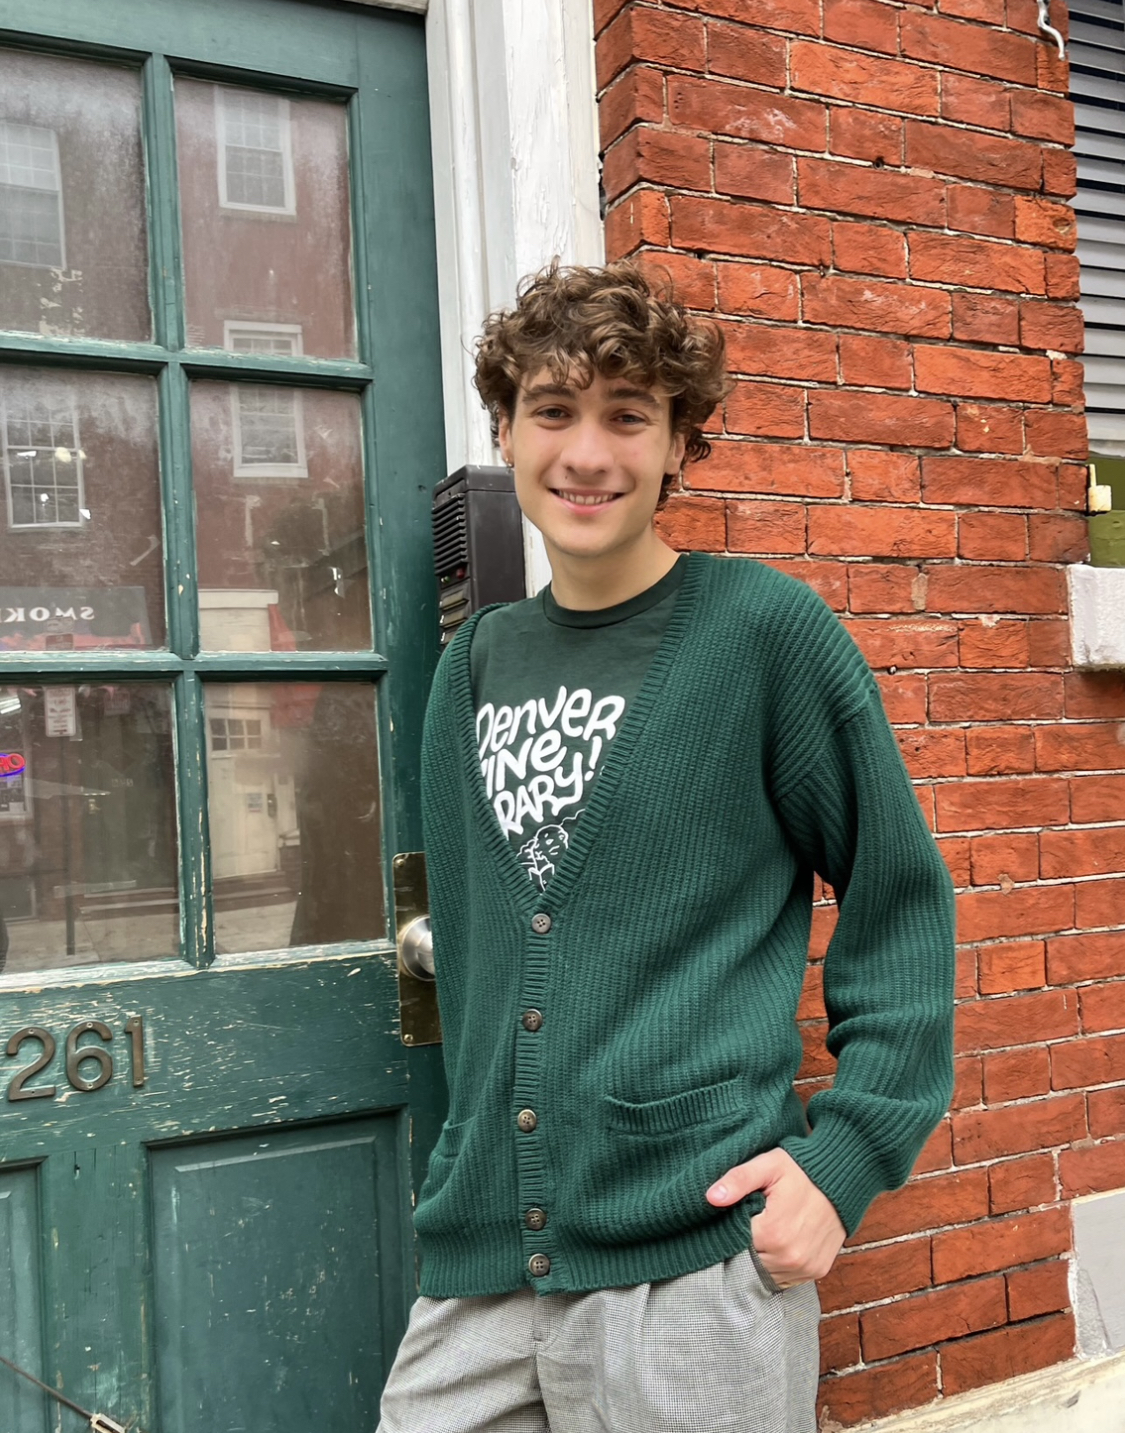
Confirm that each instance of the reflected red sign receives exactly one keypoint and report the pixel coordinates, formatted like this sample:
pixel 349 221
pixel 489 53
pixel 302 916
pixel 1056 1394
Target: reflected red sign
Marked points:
pixel 11 763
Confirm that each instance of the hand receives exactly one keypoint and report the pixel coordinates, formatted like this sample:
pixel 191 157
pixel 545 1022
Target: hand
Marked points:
pixel 798 1234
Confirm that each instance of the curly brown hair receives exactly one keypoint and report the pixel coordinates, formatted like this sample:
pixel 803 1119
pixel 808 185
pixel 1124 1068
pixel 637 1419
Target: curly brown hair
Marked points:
pixel 618 321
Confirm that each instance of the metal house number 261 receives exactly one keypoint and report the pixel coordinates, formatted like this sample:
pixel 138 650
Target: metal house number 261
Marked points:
pixel 88 1067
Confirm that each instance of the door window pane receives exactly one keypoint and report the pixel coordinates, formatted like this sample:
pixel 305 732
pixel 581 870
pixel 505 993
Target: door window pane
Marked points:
pixel 265 208
pixel 73 253
pixel 80 530
pixel 295 814
pixel 278 474
pixel 87 825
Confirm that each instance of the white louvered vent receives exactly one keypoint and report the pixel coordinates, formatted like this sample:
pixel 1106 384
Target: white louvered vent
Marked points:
pixel 1097 85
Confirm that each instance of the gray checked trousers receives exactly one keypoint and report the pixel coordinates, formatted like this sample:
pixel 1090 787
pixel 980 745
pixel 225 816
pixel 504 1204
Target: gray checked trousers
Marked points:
pixel 718 1351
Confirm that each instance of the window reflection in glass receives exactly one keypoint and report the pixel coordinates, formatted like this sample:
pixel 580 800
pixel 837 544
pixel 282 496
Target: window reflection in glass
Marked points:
pixel 73 253
pixel 80 528
pixel 87 825
pixel 31 227
pixel 265 210
pixel 254 151
pixel 280 526
pixel 294 810
pixel 43 460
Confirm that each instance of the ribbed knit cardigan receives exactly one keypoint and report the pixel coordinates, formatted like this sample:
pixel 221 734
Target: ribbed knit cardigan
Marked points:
pixel 669 967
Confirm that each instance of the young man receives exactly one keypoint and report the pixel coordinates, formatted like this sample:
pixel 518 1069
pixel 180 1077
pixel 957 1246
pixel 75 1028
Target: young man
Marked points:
pixel 628 783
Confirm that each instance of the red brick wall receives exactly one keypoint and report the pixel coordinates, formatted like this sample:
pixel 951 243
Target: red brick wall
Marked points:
pixel 872 199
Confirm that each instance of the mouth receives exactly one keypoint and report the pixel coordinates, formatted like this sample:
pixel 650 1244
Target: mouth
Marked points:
pixel 576 498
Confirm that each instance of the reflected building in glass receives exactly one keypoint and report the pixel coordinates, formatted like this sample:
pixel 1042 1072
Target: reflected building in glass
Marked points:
pixel 88 844
pixel 73 248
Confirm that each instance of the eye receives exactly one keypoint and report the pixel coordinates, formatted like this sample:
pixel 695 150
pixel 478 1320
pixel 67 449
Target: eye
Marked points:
pixel 551 413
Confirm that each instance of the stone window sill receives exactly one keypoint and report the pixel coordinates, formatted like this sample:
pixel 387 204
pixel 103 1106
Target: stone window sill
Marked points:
pixel 1097 617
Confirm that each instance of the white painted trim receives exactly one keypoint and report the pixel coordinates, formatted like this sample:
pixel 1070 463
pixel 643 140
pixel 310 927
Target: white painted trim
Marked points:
pixel 515 155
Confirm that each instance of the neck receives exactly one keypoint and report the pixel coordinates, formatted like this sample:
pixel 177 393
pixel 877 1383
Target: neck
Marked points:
pixel 586 584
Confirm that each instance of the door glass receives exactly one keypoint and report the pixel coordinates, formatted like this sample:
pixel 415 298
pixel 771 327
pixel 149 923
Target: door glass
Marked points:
pixel 278 476
pixel 266 221
pixel 73 253
pixel 80 539
pixel 293 802
pixel 87 825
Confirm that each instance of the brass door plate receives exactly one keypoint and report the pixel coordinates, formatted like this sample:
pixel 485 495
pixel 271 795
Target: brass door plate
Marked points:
pixel 419 1022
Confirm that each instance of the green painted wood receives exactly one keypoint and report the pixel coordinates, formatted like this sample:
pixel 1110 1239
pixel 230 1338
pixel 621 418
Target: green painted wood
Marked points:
pixel 254 1049
pixel 275 1046
pixel 21 1407
pixel 109 356
pixel 166 269
pixel 403 409
pixel 248 38
pixel 301 666
pixel 338 373
pixel 280 1239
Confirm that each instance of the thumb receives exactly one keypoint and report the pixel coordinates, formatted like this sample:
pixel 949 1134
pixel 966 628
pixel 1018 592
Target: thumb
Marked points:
pixel 743 1179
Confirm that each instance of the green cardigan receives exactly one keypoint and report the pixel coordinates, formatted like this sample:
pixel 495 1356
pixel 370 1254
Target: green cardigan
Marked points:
pixel 667 954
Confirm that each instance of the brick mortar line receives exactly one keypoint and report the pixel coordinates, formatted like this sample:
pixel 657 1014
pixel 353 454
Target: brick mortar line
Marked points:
pixel 907 171
pixel 898 57
pixel 952 1338
pixel 909 281
pixel 896 1360
pixel 672 8
pixel 901 227
pixel 893 226
pixel 833 103
pixel 830 157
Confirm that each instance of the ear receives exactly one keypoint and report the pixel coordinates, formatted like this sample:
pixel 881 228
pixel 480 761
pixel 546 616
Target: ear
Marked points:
pixel 676 450
pixel 504 436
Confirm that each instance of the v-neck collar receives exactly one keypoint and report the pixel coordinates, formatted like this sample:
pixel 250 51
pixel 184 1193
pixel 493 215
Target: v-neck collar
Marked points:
pixel 586 829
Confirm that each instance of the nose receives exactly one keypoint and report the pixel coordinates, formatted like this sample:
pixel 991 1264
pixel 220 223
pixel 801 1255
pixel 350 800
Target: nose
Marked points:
pixel 586 452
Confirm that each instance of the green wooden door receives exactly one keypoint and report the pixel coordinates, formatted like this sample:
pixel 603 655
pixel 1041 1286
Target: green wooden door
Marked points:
pixel 220 419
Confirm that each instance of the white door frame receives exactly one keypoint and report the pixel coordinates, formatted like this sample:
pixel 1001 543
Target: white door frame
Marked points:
pixel 514 129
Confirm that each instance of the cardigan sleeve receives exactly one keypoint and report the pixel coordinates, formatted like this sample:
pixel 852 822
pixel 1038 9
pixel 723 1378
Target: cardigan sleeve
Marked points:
pixel 851 813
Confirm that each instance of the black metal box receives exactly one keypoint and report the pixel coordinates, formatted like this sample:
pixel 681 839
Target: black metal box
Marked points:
pixel 478 544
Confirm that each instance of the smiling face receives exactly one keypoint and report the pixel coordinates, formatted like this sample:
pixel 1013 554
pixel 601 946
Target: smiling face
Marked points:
pixel 590 462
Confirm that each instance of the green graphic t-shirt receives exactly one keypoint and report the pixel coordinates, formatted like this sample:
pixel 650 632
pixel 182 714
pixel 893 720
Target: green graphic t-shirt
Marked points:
pixel 551 686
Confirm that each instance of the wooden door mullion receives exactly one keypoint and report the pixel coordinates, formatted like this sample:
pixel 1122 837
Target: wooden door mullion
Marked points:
pixel 163 195
pixel 180 565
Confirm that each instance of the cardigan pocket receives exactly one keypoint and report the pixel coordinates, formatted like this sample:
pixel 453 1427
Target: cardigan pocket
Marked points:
pixel 443 1156
pixel 674 1112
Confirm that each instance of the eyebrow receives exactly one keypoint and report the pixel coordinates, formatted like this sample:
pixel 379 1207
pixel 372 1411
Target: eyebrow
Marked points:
pixel 563 390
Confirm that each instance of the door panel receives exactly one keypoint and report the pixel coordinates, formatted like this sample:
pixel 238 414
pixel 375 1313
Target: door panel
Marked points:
pixel 20 1405
pixel 270 1282
pixel 207 1183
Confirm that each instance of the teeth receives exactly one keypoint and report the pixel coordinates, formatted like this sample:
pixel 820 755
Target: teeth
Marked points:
pixel 588 499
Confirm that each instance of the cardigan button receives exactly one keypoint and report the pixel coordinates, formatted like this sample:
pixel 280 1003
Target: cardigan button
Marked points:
pixel 532 1020
pixel 541 923
pixel 527 1120
pixel 539 1265
pixel 535 1218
